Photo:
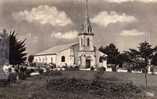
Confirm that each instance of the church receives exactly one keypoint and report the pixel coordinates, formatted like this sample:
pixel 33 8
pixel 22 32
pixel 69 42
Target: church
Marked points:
pixel 82 53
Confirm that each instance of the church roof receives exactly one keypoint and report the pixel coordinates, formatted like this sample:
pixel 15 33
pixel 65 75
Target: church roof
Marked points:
pixel 56 49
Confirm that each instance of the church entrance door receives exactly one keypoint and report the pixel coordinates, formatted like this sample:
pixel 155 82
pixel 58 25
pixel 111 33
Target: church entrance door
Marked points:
pixel 88 63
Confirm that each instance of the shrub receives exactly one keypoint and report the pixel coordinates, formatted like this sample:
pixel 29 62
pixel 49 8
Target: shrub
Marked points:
pixel 29 71
pixel 92 68
pixel 101 69
pixel 114 68
pixel 129 70
pixel 144 70
pixel 41 71
pixel 22 75
pixel 76 68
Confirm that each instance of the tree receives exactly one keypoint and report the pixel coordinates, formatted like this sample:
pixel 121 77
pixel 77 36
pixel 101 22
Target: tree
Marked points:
pixel 112 54
pixel 154 60
pixel 17 50
pixel 153 63
pixel 30 59
pixel 123 58
pixel 142 56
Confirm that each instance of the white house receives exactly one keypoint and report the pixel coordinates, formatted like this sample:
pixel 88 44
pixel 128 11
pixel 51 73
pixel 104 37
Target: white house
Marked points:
pixel 82 53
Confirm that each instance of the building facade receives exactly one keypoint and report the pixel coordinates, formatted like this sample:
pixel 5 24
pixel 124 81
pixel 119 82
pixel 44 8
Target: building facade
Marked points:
pixel 82 53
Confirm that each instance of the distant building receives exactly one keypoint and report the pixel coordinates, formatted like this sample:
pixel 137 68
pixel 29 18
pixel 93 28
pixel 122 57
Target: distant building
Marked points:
pixel 82 53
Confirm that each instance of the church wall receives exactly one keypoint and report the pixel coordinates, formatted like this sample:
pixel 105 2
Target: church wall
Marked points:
pixel 70 55
pixel 102 63
pixel 45 59
pixel 75 51
pixel 69 58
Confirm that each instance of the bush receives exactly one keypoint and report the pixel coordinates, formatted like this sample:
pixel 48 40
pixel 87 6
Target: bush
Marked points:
pixel 101 69
pixel 76 68
pixel 114 68
pixel 144 70
pixel 41 71
pixel 29 71
pixel 129 70
pixel 92 68
pixel 22 75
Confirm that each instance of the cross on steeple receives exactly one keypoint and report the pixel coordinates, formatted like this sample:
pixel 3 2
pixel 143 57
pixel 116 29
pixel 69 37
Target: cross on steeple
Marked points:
pixel 87 24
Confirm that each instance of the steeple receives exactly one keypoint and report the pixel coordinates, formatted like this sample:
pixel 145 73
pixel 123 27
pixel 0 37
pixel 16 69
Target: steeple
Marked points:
pixel 87 24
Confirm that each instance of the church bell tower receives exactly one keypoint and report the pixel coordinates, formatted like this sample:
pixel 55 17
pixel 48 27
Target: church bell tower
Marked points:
pixel 86 45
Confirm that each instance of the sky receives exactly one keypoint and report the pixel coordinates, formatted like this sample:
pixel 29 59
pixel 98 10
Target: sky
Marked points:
pixel 47 23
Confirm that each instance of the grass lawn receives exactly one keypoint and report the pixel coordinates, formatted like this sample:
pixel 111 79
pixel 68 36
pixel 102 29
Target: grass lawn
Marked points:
pixel 36 87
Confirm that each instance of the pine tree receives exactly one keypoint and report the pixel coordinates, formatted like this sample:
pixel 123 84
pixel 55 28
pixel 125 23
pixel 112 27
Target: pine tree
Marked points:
pixel 17 50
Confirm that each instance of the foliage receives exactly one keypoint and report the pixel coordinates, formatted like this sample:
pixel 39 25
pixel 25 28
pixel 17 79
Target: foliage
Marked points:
pixel 142 55
pixel 92 68
pixel 72 68
pixel 112 53
pixel 123 58
pixel 101 69
pixel 30 59
pixel 17 50
pixel 154 60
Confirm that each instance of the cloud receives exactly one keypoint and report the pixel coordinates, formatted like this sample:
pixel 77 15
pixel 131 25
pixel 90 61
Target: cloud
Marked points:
pixel 104 18
pixel 122 1
pixel 43 14
pixel 67 35
pixel 29 38
pixel 132 32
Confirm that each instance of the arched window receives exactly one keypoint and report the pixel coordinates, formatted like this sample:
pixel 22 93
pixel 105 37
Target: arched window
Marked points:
pixel 63 58
pixel 88 42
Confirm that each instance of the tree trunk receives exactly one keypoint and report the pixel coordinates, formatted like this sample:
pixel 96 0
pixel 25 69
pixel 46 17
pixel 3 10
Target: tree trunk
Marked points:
pixel 146 79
